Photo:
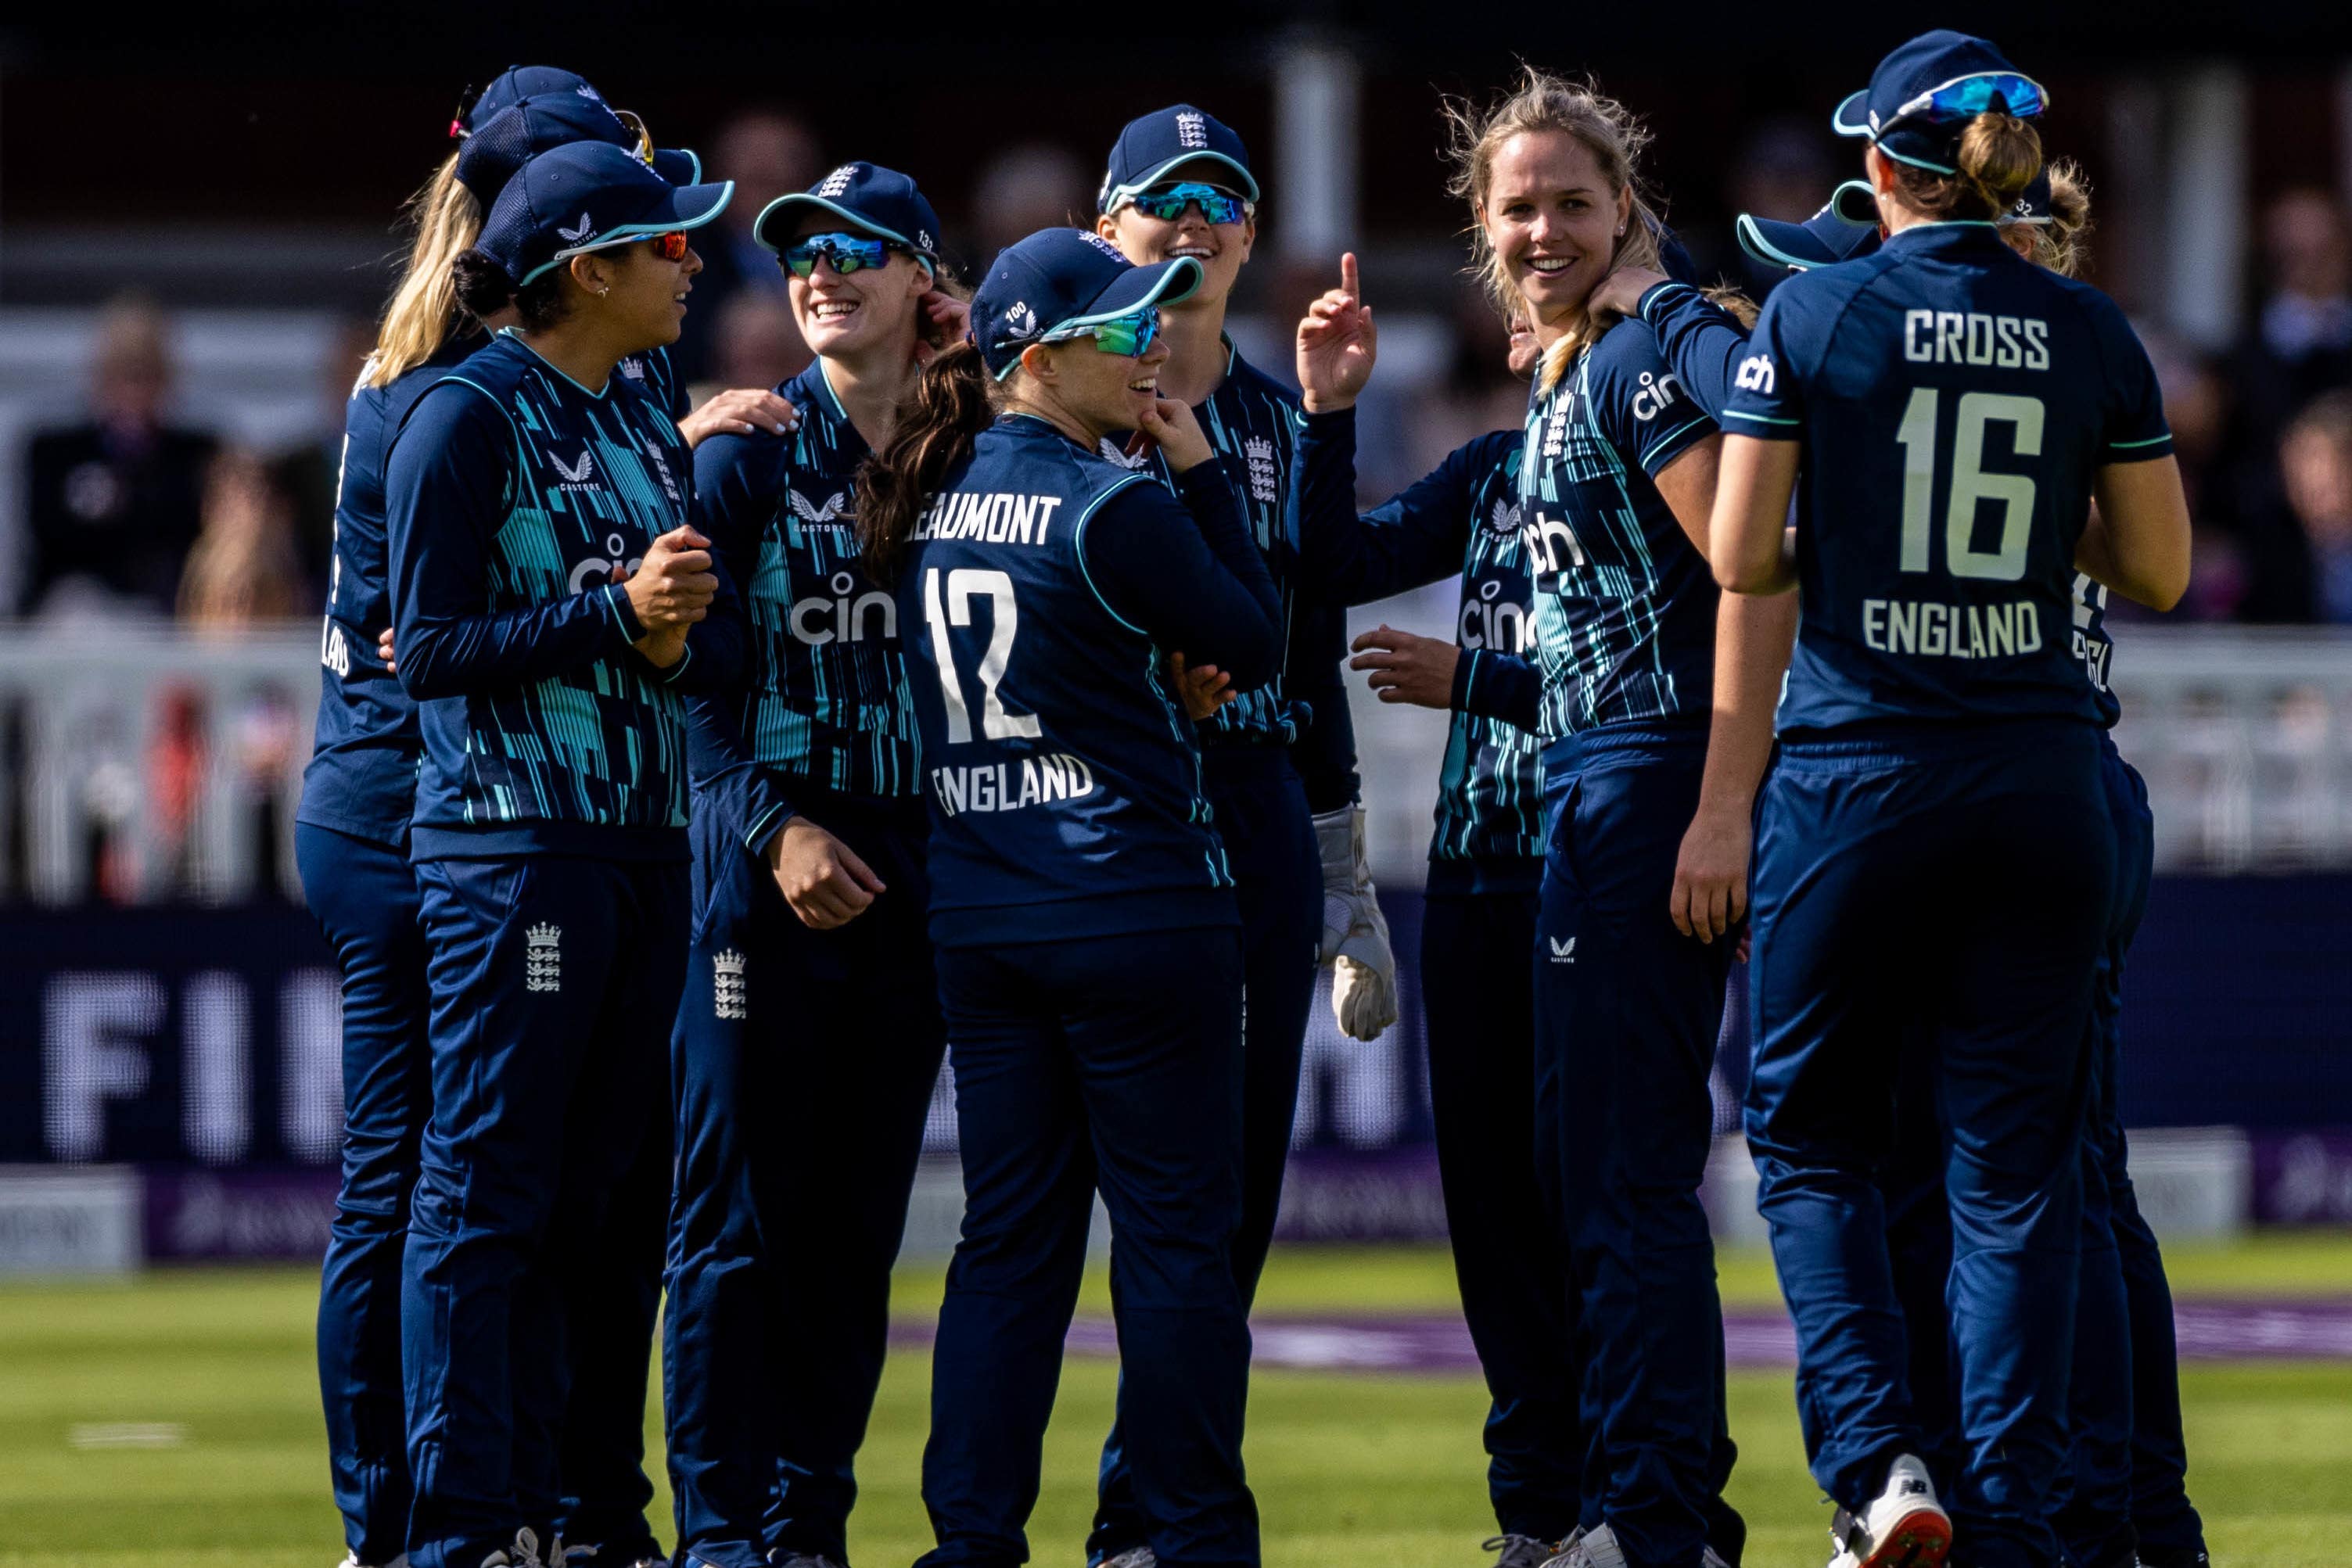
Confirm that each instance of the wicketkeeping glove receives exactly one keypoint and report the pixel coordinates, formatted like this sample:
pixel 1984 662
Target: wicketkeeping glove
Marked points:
pixel 1355 932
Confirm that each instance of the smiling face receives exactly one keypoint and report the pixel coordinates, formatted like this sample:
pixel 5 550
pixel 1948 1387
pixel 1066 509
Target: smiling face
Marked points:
pixel 1554 222
pixel 841 316
pixel 643 296
pixel 1220 248
pixel 1099 391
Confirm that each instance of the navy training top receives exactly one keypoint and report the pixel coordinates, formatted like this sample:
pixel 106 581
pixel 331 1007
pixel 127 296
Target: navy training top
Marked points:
pixel 1043 589
pixel 1955 403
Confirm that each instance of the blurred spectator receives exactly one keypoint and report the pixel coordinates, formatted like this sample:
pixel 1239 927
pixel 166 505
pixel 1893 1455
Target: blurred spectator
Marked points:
pixel 1036 185
pixel 766 152
pixel 758 345
pixel 2197 407
pixel 113 504
pixel 307 474
pixel 2315 466
pixel 242 568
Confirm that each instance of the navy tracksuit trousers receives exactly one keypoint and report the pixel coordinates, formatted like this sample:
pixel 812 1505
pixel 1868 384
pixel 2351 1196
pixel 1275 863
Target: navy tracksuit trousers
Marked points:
pixel 1965 875
pixel 1110 1062
pixel 554 980
pixel 1480 1015
pixel 1269 836
pixel 2126 1475
pixel 1627 1012
pixel 804 1063
pixel 364 894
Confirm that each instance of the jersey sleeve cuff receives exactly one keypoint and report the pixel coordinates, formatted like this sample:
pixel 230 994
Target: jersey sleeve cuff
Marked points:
pixel 1763 426
pixel 624 613
pixel 2145 450
pixel 766 826
pixel 670 676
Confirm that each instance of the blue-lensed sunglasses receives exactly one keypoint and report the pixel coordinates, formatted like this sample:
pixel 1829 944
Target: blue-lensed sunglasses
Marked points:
pixel 1965 97
pixel 844 253
pixel 1129 335
pixel 1166 203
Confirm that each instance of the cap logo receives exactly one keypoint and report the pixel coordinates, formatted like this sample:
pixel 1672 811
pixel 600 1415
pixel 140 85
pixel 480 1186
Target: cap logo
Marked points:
pixel 923 238
pixel 1192 130
pixel 587 227
pixel 1104 247
pixel 1020 321
pixel 838 181
pixel 585 90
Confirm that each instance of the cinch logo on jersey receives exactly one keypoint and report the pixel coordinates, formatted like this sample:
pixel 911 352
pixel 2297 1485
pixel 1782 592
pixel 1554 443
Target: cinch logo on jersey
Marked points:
pixel 998 517
pixel 598 569
pixel 842 619
pixel 1952 630
pixel 1544 539
pixel 994 786
pixel 1966 338
pixel 544 958
pixel 1490 621
pixel 1657 395
pixel 1754 373
pixel 727 996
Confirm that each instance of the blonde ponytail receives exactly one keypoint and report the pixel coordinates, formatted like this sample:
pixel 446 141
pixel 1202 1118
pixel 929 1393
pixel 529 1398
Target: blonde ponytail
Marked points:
pixel 424 312
pixel 1998 156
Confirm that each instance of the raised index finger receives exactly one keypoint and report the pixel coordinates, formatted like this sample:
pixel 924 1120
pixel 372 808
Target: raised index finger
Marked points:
pixel 1348 284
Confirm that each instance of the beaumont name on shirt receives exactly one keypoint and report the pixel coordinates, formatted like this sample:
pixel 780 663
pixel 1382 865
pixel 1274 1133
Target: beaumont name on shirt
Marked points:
pixel 997 516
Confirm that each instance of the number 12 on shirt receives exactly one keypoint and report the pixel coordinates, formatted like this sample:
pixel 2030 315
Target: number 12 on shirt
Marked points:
pixel 965 584
pixel 1971 484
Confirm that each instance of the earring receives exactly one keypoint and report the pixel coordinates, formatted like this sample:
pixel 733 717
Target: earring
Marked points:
pixel 1620 231
pixel 608 287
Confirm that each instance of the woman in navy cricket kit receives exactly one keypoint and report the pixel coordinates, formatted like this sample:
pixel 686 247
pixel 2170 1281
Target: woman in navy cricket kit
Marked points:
pixel 1953 410
pixel 1478 923
pixel 1281 758
pixel 1648 783
pixel 1044 590
pixel 797 1147
pixel 543 582
pixel 351 833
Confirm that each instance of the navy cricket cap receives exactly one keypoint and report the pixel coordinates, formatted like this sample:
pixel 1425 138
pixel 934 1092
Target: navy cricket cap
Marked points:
pixel 1845 227
pixel 1058 279
pixel 868 198
pixel 584 196
pixel 2033 207
pixel 514 84
pixel 512 137
pixel 1166 139
pixel 1924 94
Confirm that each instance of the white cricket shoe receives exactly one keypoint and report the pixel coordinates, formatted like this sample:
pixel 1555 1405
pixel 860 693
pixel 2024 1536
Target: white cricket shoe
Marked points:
pixel 1133 1557
pixel 1589 1549
pixel 1904 1527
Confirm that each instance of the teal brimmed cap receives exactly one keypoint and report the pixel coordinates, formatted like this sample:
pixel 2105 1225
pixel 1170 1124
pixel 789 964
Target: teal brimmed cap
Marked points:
pixel 1922 96
pixel 544 121
pixel 867 197
pixel 1058 280
pixel 1166 139
pixel 585 196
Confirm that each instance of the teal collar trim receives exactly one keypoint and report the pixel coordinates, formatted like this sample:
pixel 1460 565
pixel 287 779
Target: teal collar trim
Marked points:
pixel 516 333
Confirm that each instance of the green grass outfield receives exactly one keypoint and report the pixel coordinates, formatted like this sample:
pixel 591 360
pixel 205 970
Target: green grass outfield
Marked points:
pixel 1369 1471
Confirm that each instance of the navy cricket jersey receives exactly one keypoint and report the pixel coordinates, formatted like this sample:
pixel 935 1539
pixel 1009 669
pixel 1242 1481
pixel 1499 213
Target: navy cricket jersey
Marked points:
pixel 1625 604
pixel 513 492
pixel 1253 422
pixel 1955 403
pixel 1463 516
pixel 1043 589
pixel 362 776
pixel 825 699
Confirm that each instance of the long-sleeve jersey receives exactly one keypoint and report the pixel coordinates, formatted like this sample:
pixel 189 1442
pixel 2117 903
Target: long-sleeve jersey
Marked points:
pixel 825 699
pixel 1625 604
pixel 361 778
pixel 513 493
pixel 1251 421
pixel 1043 589
pixel 1461 518
pixel 1955 403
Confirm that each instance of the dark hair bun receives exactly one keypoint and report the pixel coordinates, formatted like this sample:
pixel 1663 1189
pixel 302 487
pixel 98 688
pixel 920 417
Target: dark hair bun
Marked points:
pixel 483 287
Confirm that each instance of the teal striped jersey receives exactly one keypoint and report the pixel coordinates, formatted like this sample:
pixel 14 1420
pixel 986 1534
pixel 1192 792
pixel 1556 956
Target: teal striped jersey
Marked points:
pixel 513 494
pixel 1625 604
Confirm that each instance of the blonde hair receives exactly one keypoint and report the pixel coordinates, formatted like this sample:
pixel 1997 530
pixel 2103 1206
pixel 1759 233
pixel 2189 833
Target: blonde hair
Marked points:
pixel 1998 156
pixel 1545 103
pixel 424 312
pixel 2062 243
